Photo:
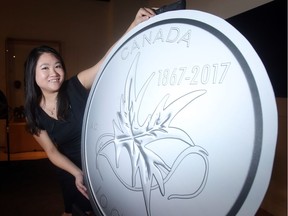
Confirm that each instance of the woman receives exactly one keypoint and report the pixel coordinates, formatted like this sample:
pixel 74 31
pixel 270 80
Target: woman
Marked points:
pixel 54 110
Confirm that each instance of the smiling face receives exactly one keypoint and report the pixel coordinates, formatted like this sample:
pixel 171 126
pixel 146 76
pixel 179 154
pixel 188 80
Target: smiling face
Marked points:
pixel 49 73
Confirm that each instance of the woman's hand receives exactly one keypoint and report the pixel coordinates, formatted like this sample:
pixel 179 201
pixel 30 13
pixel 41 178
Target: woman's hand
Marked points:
pixel 79 181
pixel 143 14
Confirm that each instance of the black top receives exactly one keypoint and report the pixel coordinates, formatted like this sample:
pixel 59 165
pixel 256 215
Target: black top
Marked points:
pixel 66 134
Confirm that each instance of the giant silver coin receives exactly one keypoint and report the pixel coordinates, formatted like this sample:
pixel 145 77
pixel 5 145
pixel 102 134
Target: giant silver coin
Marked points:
pixel 181 120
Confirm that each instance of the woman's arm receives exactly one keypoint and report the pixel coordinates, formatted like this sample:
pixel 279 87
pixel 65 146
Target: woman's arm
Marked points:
pixel 87 76
pixel 61 160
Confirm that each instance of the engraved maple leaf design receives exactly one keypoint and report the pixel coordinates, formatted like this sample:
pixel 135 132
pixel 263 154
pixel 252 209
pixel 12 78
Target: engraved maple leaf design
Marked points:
pixel 134 137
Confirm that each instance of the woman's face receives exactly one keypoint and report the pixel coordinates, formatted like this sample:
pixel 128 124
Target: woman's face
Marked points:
pixel 49 74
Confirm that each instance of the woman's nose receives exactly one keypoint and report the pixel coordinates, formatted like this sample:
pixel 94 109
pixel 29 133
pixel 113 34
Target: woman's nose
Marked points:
pixel 53 71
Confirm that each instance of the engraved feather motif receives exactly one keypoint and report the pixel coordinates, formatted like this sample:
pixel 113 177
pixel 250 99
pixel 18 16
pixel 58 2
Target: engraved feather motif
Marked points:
pixel 134 137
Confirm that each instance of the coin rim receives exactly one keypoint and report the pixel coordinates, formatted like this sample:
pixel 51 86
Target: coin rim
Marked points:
pixel 258 113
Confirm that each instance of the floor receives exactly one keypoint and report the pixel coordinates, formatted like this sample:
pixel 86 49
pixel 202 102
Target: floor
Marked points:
pixel 29 188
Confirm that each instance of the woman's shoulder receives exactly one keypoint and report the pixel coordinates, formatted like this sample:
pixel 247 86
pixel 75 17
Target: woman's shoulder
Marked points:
pixel 74 88
pixel 74 82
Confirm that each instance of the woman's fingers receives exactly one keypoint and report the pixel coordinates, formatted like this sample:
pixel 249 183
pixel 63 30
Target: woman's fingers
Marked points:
pixel 83 190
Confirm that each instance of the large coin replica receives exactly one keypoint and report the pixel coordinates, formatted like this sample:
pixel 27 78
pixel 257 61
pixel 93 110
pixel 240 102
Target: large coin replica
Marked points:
pixel 181 120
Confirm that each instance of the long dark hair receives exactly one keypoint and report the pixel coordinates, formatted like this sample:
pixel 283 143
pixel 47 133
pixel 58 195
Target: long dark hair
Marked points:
pixel 33 93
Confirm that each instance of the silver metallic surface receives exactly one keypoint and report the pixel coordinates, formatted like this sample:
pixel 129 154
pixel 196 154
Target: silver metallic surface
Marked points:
pixel 181 120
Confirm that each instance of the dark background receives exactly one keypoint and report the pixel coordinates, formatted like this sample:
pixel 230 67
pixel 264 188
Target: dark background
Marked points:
pixel 265 27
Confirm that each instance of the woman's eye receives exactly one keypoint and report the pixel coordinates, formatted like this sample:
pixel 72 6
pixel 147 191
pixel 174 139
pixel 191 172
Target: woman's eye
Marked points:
pixel 58 66
pixel 45 68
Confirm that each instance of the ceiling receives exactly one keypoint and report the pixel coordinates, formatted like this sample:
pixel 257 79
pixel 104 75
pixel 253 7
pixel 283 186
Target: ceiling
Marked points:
pixel 221 8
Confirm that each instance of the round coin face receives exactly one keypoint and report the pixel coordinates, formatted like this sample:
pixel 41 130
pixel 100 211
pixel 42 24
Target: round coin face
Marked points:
pixel 181 120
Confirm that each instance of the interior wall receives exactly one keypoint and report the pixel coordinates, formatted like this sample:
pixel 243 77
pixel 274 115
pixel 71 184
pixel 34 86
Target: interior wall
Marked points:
pixel 77 30
pixel 85 29
pixel 77 24
pixel 265 27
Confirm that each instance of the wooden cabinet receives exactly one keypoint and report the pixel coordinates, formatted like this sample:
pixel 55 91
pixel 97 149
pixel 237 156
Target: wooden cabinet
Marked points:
pixel 20 140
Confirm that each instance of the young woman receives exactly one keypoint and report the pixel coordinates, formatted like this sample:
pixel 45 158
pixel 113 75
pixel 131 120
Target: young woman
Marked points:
pixel 54 109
